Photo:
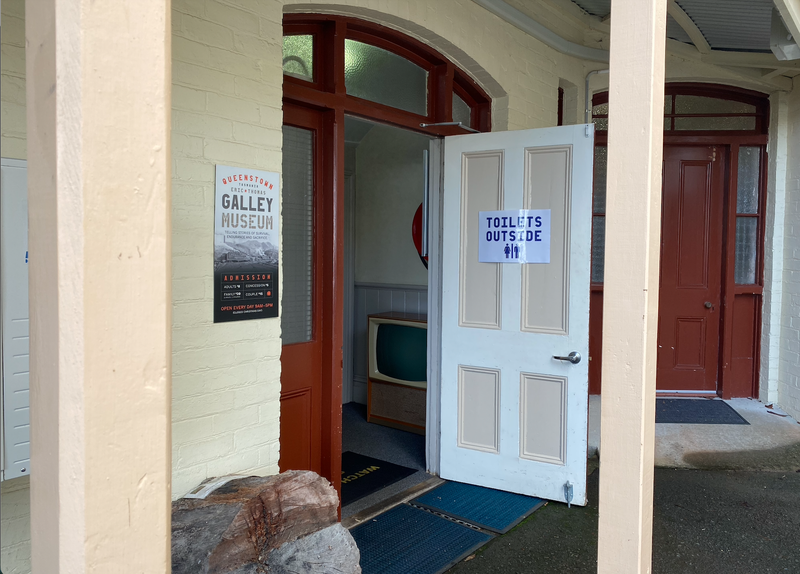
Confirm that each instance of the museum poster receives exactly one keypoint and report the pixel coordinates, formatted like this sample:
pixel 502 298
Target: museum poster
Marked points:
pixel 247 239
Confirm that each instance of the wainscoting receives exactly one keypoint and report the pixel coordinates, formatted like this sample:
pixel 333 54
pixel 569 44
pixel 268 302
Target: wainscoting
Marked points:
pixel 372 298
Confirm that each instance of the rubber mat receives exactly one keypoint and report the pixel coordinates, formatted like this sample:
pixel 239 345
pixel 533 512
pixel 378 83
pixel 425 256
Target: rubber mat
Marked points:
pixel 406 540
pixel 697 412
pixel 490 509
pixel 363 475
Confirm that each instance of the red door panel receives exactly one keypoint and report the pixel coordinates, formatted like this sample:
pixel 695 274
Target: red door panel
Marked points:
pixel 691 269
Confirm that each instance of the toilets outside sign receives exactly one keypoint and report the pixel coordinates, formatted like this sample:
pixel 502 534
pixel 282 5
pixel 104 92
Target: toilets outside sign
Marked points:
pixel 514 236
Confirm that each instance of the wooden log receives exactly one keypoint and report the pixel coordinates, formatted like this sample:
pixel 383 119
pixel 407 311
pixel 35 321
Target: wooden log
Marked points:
pixel 242 522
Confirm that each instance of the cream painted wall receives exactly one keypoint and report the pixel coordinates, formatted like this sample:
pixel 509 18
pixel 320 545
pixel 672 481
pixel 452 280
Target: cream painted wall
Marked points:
pixel 15 505
pixel 227 79
pixel 12 79
pixel 519 72
pixel 389 187
pixel 789 386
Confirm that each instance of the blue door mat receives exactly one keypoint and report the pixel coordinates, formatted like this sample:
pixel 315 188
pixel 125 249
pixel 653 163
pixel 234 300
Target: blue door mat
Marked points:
pixel 406 540
pixel 492 510
pixel 697 412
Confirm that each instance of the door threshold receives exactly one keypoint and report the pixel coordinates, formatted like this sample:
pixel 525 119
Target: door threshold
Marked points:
pixel 688 394
pixel 391 502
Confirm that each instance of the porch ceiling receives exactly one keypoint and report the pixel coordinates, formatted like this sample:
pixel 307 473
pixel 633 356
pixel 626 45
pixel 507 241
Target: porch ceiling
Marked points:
pixel 734 35
pixel 731 25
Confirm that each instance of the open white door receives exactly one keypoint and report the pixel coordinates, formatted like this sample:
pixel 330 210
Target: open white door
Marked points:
pixel 513 417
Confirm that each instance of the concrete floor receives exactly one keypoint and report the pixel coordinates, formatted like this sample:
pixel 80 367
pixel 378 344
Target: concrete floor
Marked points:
pixel 726 501
pixel 770 442
pixel 704 522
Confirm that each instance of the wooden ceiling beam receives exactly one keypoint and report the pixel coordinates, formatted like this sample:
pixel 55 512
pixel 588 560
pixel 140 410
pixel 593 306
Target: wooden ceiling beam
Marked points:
pixel 688 25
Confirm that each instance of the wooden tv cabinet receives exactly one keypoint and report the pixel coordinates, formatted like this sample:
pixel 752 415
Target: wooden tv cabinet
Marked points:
pixel 396 405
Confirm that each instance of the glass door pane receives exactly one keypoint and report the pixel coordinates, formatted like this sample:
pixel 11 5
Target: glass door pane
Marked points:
pixel 297 198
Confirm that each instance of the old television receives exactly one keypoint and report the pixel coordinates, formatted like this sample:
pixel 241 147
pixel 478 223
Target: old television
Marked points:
pixel 398 370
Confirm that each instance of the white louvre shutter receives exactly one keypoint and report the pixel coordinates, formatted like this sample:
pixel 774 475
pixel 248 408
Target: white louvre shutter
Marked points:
pixel 14 284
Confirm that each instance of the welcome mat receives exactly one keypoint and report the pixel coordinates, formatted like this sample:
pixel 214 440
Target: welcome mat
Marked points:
pixel 697 412
pixel 490 509
pixel 406 540
pixel 363 475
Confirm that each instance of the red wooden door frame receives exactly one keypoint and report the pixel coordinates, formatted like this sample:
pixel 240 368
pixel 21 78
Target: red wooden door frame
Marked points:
pixel 326 96
pixel 730 380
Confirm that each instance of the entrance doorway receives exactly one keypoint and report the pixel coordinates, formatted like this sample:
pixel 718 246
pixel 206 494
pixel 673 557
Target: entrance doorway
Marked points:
pixel 714 200
pixel 335 68
pixel 383 413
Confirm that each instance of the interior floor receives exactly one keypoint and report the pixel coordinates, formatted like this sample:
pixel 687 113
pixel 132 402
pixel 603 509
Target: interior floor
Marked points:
pixel 384 443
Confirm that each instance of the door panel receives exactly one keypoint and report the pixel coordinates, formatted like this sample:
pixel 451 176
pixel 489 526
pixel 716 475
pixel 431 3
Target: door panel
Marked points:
pixel 512 416
pixel 302 351
pixel 691 269
pixel 480 285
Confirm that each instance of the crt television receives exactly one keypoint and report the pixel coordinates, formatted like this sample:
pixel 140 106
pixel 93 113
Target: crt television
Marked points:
pixel 398 369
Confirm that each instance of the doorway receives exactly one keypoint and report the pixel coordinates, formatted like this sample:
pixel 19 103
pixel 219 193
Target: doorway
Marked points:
pixel 712 252
pixel 335 67
pixel 384 274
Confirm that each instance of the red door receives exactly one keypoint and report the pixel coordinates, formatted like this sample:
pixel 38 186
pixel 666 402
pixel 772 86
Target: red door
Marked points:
pixel 691 269
pixel 303 292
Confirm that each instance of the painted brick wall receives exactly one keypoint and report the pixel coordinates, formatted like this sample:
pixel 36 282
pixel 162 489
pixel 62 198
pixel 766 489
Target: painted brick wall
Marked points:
pixel 15 529
pixel 773 249
pixel 524 68
pixel 789 386
pixel 226 101
pixel 12 80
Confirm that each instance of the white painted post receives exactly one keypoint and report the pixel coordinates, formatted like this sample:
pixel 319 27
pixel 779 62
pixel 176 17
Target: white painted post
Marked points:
pixel 630 313
pixel 98 113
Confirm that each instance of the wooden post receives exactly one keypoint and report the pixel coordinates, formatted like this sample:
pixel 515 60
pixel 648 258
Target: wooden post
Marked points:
pixel 98 105
pixel 630 315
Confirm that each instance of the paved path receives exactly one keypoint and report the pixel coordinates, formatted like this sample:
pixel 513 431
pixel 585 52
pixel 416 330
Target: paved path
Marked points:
pixel 705 522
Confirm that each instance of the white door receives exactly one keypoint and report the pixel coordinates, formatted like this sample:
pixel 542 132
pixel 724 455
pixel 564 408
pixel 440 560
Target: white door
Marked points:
pixel 513 417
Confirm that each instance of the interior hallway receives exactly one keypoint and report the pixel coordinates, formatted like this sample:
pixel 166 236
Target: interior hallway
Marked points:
pixel 384 443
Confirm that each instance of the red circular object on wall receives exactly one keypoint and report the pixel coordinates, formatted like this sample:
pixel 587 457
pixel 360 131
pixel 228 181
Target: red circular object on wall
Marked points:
pixel 416 234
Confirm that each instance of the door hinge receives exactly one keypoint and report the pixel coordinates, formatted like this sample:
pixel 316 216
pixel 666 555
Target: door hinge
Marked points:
pixel 568 493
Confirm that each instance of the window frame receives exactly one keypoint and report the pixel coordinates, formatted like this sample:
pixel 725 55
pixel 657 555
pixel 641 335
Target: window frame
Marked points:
pixel 327 90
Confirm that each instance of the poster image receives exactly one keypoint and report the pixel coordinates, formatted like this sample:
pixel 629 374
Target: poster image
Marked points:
pixel 246 244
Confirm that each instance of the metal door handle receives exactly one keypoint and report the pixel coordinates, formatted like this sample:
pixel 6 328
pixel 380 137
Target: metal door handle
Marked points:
pixel 708 305
pixel 574 357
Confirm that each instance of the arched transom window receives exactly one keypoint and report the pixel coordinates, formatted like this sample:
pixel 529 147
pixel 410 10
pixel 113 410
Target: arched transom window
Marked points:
pixel 373 71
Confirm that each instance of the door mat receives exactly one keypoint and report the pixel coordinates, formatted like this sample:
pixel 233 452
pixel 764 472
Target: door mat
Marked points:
pixel 408 540
pixel 490 509
pixel 697 412
pixel 363 475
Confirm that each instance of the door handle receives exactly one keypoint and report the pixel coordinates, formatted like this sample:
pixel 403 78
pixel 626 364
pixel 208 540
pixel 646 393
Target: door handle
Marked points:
pixel 708 305
pixel 574 357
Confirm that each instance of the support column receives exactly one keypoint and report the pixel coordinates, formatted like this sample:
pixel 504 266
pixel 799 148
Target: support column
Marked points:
pixel 98 104
pixel 630 314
